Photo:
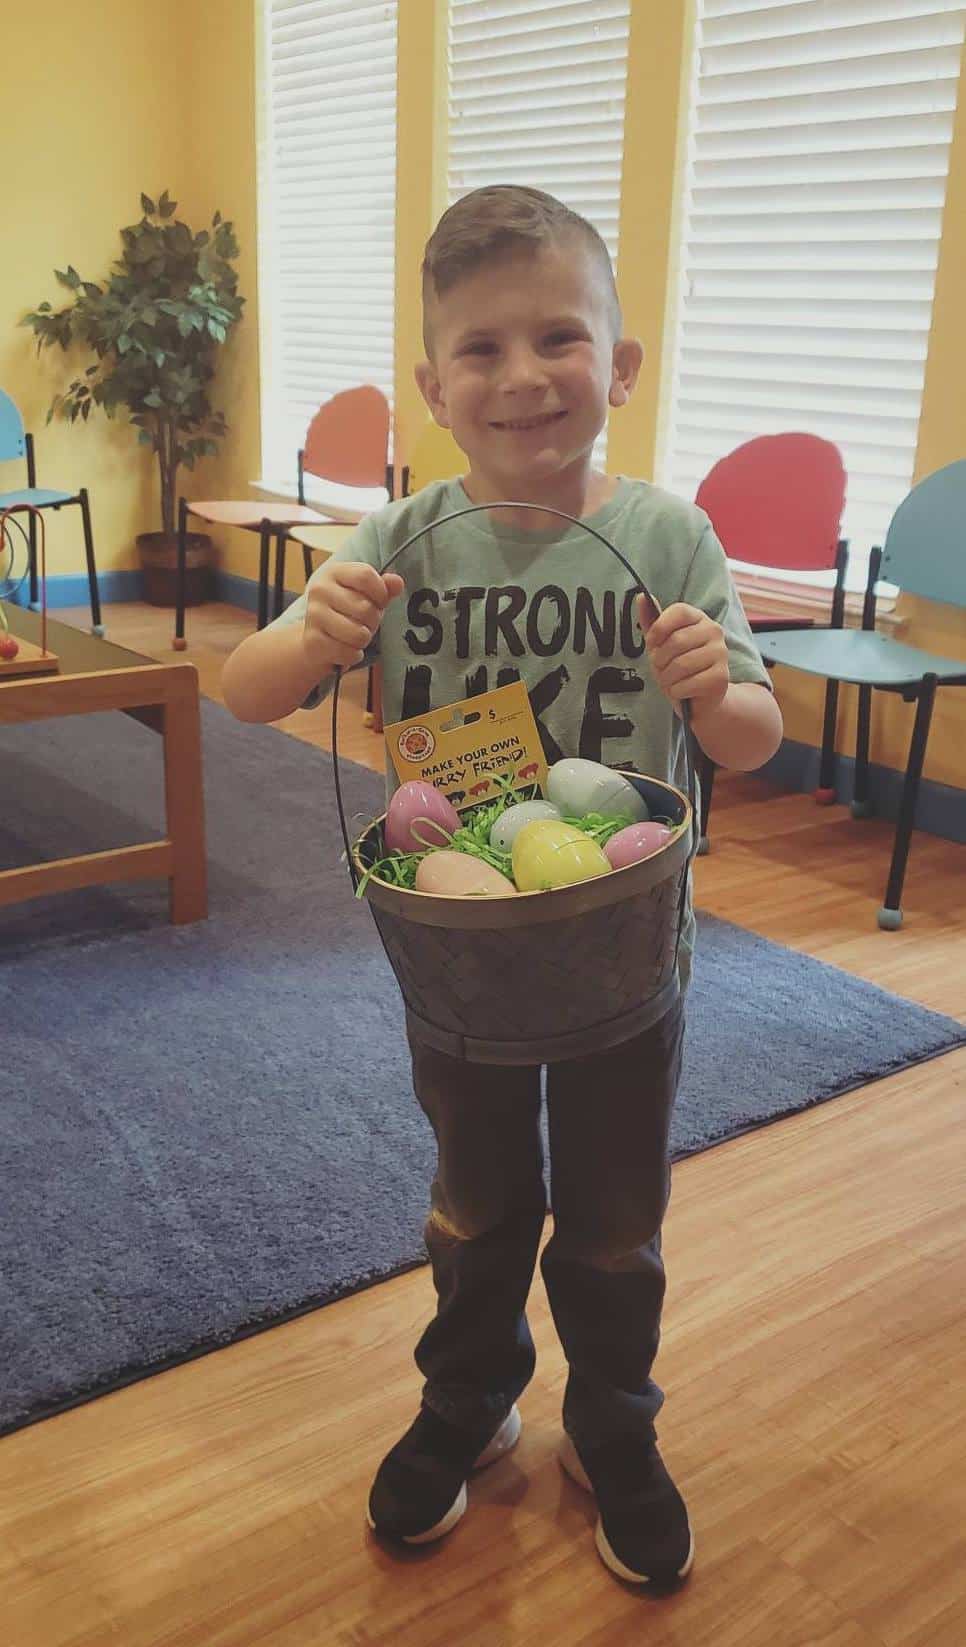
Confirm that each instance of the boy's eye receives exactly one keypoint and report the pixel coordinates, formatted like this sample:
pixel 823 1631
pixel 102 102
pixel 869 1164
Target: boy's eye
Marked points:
pixel 557 339
pixel 479 348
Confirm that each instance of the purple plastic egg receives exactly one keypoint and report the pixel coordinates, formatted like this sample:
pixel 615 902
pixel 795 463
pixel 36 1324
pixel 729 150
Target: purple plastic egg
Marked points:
pixel 419 817
pixel 637 841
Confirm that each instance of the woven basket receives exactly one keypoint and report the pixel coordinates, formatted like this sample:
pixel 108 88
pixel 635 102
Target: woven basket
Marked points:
pixel 544 975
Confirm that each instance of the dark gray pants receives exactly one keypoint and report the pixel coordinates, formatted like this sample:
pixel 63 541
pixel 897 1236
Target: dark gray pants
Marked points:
pixel 608 1120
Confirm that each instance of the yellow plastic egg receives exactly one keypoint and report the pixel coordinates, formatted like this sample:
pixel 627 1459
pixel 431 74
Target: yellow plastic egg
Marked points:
pixel 459 875
pixel 548 855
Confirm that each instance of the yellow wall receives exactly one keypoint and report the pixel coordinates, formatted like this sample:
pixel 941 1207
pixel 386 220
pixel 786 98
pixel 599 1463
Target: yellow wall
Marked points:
pixel 221 74
pixel 173 104
pixel 95 114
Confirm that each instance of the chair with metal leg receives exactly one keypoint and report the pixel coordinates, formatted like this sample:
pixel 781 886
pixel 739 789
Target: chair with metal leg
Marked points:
pixel 925 554
pixel 16 443
pixel 346 445
pixel 351 453
pixel 776 502
pixel 435 456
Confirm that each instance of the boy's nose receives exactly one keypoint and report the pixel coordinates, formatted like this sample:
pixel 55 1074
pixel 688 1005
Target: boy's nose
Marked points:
pixel 523 370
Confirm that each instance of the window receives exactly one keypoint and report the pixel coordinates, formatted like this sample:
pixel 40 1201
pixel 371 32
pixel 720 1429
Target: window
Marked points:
pixel 537 97
pixel 812 219
pixel 326 215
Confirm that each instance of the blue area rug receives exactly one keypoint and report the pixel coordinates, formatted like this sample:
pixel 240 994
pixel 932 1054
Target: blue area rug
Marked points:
pixel 207 1130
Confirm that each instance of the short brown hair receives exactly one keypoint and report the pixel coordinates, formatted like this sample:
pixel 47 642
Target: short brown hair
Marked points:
pixel 492 224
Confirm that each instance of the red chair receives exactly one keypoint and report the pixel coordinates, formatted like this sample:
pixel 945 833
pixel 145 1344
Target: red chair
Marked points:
pixel 777 502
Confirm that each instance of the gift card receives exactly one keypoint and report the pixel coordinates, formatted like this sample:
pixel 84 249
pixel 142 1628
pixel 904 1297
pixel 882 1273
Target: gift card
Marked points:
pixel 461 748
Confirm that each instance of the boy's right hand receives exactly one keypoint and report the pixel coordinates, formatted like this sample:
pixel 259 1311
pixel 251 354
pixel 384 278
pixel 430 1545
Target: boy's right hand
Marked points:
pixel 344 608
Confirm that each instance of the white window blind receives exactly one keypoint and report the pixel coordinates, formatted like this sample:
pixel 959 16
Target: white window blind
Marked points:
pixel 537 98
pixel 818 156
pixel 326 215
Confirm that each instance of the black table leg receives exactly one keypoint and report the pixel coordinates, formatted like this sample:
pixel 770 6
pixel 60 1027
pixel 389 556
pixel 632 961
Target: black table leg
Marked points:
pixel 825 793
pixel 860 798
pixel 96 624
pixel 265 536
pixel 179 640
pixel 890 915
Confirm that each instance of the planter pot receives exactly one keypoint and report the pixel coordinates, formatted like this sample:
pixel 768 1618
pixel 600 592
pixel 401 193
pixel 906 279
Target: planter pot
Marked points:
pixel 159 568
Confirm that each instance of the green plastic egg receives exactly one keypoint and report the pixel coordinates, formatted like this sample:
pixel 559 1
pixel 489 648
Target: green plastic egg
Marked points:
pixel 548 854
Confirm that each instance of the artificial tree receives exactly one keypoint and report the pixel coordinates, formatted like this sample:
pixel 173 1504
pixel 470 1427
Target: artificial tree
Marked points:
pixel 155 327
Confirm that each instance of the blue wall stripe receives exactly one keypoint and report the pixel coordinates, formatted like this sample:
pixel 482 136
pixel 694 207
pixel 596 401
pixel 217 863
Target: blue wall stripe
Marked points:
pixel 941 810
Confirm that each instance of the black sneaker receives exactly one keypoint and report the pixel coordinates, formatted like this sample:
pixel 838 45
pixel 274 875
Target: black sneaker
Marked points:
pixel 643 1532
pixel 419 1493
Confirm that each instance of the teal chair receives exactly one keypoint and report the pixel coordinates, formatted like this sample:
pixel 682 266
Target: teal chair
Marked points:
pixel 925 554
pixel 15 445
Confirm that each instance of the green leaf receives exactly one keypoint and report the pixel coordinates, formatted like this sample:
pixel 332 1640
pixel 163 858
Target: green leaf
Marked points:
pixel 123 343
pixel 166 207
pixel 147 206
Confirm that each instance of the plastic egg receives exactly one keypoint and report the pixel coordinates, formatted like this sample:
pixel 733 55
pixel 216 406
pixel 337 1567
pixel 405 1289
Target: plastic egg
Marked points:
pixel 419 817
pixel 548 854
pixel 577 787
pixel 508 825
pixel 460 875
pixel 637 841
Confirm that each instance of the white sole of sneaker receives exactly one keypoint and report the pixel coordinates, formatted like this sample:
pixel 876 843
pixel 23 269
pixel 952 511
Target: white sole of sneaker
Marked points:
pixel 570 1461
pixel 505 1439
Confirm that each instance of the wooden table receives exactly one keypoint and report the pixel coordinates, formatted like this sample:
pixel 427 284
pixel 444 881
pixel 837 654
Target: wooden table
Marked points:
pixel 95 675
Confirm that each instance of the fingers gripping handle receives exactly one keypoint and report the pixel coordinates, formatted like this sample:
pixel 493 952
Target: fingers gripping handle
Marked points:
pixel 473 509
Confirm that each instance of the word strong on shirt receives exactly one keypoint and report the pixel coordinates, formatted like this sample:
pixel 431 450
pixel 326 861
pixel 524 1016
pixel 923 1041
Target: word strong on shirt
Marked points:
pixel 519 632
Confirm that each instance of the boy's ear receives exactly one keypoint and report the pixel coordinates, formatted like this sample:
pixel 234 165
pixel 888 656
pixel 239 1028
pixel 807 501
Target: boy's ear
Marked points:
pixel 627 363
pixel 431 391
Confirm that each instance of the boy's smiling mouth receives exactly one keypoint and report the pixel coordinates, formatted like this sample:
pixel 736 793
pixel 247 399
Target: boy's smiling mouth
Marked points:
pixel 540 421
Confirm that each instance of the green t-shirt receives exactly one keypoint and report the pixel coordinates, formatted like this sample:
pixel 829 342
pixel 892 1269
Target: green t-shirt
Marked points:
pixel 486 603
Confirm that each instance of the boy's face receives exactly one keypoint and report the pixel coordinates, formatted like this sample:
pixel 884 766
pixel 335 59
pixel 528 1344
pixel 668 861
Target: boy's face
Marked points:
pixel 525 366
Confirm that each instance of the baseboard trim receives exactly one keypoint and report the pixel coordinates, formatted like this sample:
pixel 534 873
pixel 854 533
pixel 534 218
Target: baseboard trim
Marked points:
pixel 941 809
pixel 72 589
pixel 235 590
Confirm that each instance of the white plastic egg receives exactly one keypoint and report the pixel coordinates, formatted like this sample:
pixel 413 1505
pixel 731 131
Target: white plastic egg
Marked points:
pixel 577 787
pixel 509 823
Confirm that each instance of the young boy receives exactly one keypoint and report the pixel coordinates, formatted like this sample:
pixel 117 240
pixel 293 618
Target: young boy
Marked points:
pixel 524 354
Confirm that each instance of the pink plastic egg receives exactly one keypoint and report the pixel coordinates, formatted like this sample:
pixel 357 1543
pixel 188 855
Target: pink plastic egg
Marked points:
pixel 419 817
pixel 637 841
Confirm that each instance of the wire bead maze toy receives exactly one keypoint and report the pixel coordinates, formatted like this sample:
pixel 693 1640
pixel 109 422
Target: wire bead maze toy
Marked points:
pixel 10 583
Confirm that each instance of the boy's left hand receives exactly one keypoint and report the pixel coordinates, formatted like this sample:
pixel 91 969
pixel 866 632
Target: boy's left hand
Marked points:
pixel 687 653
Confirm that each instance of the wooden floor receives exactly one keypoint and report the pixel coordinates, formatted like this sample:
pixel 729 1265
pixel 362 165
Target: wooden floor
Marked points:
pixel 814 1353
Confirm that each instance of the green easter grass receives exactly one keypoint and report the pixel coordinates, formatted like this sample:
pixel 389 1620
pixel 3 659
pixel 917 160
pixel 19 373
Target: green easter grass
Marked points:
pixel 398 869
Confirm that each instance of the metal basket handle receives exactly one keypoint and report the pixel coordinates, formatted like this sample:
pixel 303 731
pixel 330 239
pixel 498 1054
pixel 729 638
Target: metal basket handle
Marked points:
pixel 641 587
